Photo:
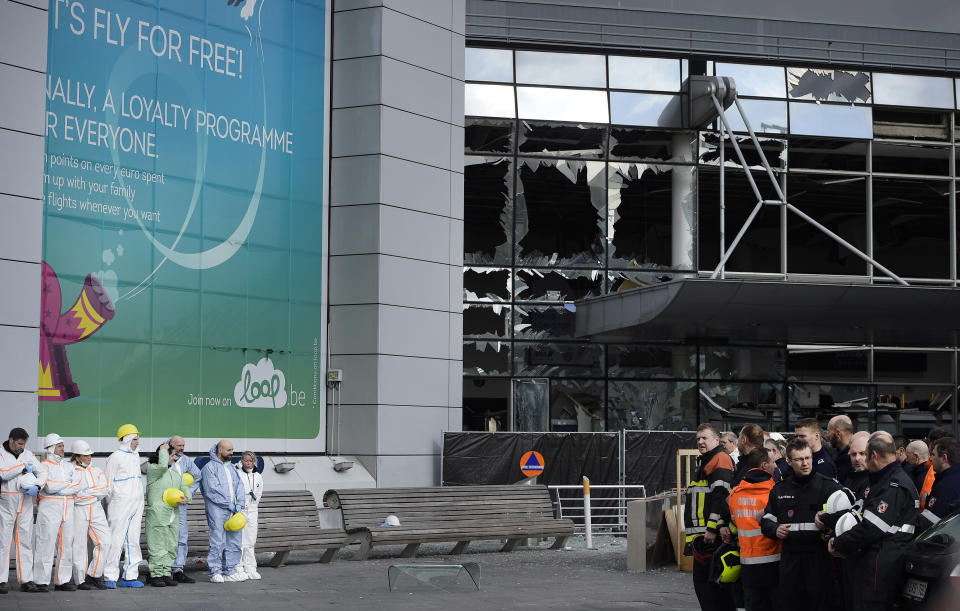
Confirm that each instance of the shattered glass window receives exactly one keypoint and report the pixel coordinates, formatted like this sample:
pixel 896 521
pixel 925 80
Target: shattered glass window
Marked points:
pixel 486 404
pixel 486 320
pixel 652 109
pixel 571 69
pixel 739 402
pixel 820 364
pixel 560 206
pixel 638 361
pixel 489 65
pixel 839 203
pixel 826 85
pixel 737 363
pixel 558 284
pixel 911 159
pixel 642 202
pixel 831 120
pixel 644 73
pixel 828 154
pixel 655 406
pixel 911 124
pixel 551 104
pixel 913 90
pixel 486 358
pixel 760 81
pixel 765 116
pixel 822 401
pixel 645 144
pixel 558 359
pixel 934 400
pixel 911 226
pixel 577 405
pixel 486 284
pixel 544 322
pixel 774 150
pixel 627 280
pixel 562 140
pixel 488 136
pixel 489 100
pixel 488 189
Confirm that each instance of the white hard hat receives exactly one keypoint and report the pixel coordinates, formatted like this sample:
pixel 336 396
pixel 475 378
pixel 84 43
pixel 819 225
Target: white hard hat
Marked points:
pixel 391 520
pixel 839 501
pixel 28 479
pixel 846 522
pixel 81 447
pixel 51 440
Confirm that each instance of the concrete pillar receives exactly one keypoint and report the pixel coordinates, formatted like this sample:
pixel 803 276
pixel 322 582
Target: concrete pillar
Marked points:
pixel 637 536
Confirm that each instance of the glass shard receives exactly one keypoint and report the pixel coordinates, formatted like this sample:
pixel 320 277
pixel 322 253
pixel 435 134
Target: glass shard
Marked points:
pixel 828 85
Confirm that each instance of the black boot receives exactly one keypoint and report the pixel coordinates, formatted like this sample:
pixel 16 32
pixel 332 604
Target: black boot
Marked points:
pixel 157 582
pixel 65 587
pixel 182 577
pixel 86 585
pixel 3 587
pixel 98 583
pixel 29 586
pixel 41 588
pixel 170 581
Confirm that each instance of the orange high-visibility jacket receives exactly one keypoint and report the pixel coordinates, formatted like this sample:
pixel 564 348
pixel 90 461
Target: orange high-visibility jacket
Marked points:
pixel 927 485
pixel 747 504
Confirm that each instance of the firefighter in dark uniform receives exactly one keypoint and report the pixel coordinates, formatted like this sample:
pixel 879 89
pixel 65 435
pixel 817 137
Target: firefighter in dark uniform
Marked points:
pixel 945 494
pixel 706 501
pixel 790 516
pixel 875 546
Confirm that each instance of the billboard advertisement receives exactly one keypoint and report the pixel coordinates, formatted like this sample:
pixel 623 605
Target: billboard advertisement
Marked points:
pixel 183 284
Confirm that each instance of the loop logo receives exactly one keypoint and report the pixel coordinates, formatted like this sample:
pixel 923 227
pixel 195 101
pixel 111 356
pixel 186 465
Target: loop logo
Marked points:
pixel 260 385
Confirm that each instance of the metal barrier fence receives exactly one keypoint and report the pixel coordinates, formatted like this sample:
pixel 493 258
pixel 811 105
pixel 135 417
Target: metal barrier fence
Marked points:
pixel 608 505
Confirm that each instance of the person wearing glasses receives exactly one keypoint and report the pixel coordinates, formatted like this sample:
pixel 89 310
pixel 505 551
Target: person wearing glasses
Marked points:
pixel 805 577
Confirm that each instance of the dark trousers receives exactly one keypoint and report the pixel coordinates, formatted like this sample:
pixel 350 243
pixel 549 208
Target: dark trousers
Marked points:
pixel 712 596
pixel 805 579
pixel 760 586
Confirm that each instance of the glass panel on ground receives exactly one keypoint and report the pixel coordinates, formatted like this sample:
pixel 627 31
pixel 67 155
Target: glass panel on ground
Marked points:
pixel 644 73
pixel 652 405
pixel 551 104
pixel 751 80
pixel 489 100
pixel 487 210
pixel 562 140
pixel 488 136
pixel 911 226
pixel 558 284
pixel 489 65
pixel 646 361
pixel 840 204
pixel 571 69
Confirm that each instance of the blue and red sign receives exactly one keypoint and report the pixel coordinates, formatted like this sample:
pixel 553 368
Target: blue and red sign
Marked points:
pixel 531 464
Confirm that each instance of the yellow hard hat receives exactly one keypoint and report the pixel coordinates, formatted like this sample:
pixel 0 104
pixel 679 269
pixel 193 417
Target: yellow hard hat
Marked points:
pixel 236 522
pixel 126 429
pixel 173 496
pixel 188 479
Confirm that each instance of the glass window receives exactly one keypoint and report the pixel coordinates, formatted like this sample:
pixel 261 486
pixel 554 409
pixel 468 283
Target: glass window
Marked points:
pixel 559 360
pixel 487 210
pixel 637 361
pixel 817 363
pixel 655 406
pixel 911 235
pixel 912 90
pixel 486 404
pixel 828 154
pixel 653 109
pixel 913 365
pixel 486 358
pixel 489 65
pixel 488 136
pixel 761 81
pixel 911 159
pixel 486 284
pixel 828 85
pixel 486 320
pixel 911 124
pixel 550 104
pixel 911 398
pixel 839 203
pixel 558 284
pixel 830 120
pixel 543 322
pixel 774 150
pixel 647 73
pixel 823 401
pixel 738 403
pixel 577 405
pixel 631 143
pixel 730 363
pixel 571 69
pixel 489 100
pixel 765 116
pixel 563 140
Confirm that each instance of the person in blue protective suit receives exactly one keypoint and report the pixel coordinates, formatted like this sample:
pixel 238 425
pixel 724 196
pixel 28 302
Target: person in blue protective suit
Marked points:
pixel 183 464
pixel 223 496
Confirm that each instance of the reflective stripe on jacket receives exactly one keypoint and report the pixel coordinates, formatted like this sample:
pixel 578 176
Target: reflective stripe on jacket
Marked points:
pixel 707 493
pixel 748 503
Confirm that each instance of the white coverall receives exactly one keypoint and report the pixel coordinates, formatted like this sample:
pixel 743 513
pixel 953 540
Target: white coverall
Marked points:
pixel 16 515
pixel 89 519
pixel 253 490
pixel 124 512
pixel 58 483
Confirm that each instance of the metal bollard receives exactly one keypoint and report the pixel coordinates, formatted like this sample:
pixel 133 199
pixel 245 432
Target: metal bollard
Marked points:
pixel 587 520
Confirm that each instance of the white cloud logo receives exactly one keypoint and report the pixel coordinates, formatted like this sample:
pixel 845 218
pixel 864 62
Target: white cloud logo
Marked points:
pixel 260 385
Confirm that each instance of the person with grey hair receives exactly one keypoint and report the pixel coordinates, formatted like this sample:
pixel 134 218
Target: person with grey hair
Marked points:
pixel 919 467
pixel 728 439
pixel 876 544
pixel 253 490
pixel 183 464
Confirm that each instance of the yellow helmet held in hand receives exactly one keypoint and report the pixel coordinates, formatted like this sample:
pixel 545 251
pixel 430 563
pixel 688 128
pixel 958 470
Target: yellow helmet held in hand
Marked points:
pixel 173 496
pixel 126 429
pixel 188 478
pixel 236 522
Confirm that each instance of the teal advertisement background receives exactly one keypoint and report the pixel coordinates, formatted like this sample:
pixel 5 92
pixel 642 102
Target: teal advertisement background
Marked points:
pixel 184 190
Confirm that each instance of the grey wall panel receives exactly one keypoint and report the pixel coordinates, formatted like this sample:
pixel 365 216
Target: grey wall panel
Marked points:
pixel 415 186
pixel 415 235
pixel 21 164
pixel 19 358
pixel 360 375
pixel 20 283
pixel 355 131
pixel 356 33
pixel 417 90
pixel 22 100
pixel 351 331
pixel 23 37
pixel 355 180
pixel 357 429
pixel 353 279
pixel 358 82
pixel 405 380
pixel 411 418
pixel 416 42
pixel 358 230
pixel 19 409
pixel 414 284
pixel 21 228
pixel 415 138
pixel 414 332
pixel 408 470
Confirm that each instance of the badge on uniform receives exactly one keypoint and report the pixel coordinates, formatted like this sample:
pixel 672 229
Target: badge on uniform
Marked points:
pixel 932 500
pixel 789 513
pixel 882 507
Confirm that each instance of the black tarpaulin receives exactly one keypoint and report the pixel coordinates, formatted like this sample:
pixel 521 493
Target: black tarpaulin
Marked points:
pixel 650 458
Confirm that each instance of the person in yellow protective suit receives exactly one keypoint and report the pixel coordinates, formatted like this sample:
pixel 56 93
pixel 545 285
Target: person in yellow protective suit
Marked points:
pixel 89 520
pixel 124 511
pixel 163 520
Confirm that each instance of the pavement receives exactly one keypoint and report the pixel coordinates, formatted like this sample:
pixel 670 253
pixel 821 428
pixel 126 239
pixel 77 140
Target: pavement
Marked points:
pixel 527 578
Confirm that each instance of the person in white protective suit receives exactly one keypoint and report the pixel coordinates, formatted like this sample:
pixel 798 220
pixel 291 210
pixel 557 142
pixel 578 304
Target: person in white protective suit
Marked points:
pixel 17 498
pixel 58 483
pixel 184 464
pixel 253 489
pixel 89 520
pixel 222 498
pixel 124 511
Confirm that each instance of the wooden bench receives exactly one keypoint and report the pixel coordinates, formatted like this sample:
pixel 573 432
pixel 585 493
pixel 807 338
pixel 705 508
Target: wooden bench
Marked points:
pixel 287 521
pixel 454 513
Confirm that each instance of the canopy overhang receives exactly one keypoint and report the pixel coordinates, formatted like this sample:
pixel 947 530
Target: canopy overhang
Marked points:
pixel 749 311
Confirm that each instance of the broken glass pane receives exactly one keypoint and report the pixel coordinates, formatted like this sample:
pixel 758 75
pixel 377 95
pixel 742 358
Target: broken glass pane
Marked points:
pixel 911 124
pixel 823 401
pixel 488 136
pixel 488 101
pixel 828 154
pixel 839 203
pixel 911 232
pixel 648 109
pixel 911 158
pixel 912 90
pixel 642 228
pixel 573 69
pixel 828 85
pixel 558 359
pixel 628 280
pixel 544 322
pixel 486 358
pixel 487 209
pixel 560 207
pixel 913 365
pixel 558 284
pixel 489 65
pixel 831 120
pixel 733 363
pixel 774 150
pixel 562 140
pixel 644 73
pixel 915 398
pixel 637 361
pixel 807 363
pixel 655 406
pixel 486 284
pixel 486 320
pixel 766 116
pixel 630 143
pixel 577 406
pixel 761 81
pixel 486 404
pixel 552 104
pixel 738 403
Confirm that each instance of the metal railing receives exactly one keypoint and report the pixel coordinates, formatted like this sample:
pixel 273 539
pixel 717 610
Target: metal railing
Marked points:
pixel 608 505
